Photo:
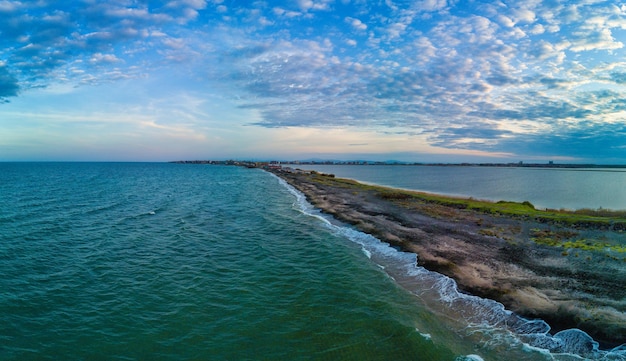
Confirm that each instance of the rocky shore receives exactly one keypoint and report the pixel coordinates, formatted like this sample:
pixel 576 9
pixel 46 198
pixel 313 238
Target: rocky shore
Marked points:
pixel 552 271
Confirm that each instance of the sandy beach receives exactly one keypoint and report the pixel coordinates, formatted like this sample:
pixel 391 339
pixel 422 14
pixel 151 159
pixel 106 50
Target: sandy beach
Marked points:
pixel 501 257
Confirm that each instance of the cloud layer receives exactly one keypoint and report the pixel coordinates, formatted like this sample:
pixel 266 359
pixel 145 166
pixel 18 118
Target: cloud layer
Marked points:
pixel 530 79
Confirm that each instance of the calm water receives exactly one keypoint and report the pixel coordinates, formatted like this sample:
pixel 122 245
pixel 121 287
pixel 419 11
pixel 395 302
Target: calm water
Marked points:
pixel 544 187
pixel 188 262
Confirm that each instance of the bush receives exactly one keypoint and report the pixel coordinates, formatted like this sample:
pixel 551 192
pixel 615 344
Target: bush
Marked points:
pixel 394 195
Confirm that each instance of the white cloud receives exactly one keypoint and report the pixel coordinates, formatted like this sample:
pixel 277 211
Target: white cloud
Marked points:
pixel 174 43
pixel 263 21
pixel 424 49
pixel 306 5
pixel 454 76
pixel 595 33
pixel 599 40
pixel 505 21
pixel 431 5
pixel 128 13
pixel 523 16
pixel 194 4
pixel 287 13
pixel 356 23
pixel 396 30
pixel 537 29
pixel 98 58
pixel 10 6
pixel 571 13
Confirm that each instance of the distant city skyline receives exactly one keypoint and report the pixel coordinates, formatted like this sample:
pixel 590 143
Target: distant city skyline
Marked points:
pixel 414 81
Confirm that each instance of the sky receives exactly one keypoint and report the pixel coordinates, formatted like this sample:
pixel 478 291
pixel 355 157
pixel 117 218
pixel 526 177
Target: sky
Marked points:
pixel 422 80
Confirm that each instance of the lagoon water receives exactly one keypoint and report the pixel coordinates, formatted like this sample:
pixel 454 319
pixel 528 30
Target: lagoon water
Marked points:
pixel 107 261
pixel 556 188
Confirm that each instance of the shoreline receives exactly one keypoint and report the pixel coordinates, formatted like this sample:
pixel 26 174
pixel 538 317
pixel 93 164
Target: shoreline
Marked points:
pixel 539 265
pixel 256 164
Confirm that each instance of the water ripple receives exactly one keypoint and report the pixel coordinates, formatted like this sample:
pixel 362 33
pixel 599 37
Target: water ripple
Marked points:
pixel 170 262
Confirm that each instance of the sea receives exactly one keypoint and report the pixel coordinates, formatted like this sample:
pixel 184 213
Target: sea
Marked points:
pixel 161 261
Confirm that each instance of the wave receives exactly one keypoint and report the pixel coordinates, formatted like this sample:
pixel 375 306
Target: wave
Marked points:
pixel 489 320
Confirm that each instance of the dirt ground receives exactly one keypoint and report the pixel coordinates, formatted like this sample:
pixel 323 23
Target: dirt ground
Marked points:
pixel 491 256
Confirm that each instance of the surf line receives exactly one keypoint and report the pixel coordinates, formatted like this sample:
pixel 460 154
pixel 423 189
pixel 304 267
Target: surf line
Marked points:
pixel 442 295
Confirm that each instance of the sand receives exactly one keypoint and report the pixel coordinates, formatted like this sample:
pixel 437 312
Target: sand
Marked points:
pixel 490 256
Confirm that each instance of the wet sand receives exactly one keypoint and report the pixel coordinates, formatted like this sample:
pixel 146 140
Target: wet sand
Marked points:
pixel 490 256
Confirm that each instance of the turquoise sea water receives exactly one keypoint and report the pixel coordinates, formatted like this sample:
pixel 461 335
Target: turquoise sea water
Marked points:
pixel 106 261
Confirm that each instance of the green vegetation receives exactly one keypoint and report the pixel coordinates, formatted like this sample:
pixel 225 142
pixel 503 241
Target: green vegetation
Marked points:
pixel 394 195
pixel 590 245
pixel 330 180
pixel 550 238
pixel 600 212
pixel 585 218
pixel 566 223
pixel 560 239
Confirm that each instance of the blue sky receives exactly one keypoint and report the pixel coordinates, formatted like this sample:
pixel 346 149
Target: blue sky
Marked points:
pixel 428 80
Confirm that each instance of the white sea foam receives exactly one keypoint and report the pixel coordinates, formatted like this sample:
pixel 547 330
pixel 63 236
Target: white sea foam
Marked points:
pixel 481 315
pixel 426 336
pixel 469 358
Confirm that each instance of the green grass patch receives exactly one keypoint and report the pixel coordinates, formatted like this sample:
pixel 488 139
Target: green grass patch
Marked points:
pixel 585 218
pixel 591 245
pixel 333 181
pixel 563 238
